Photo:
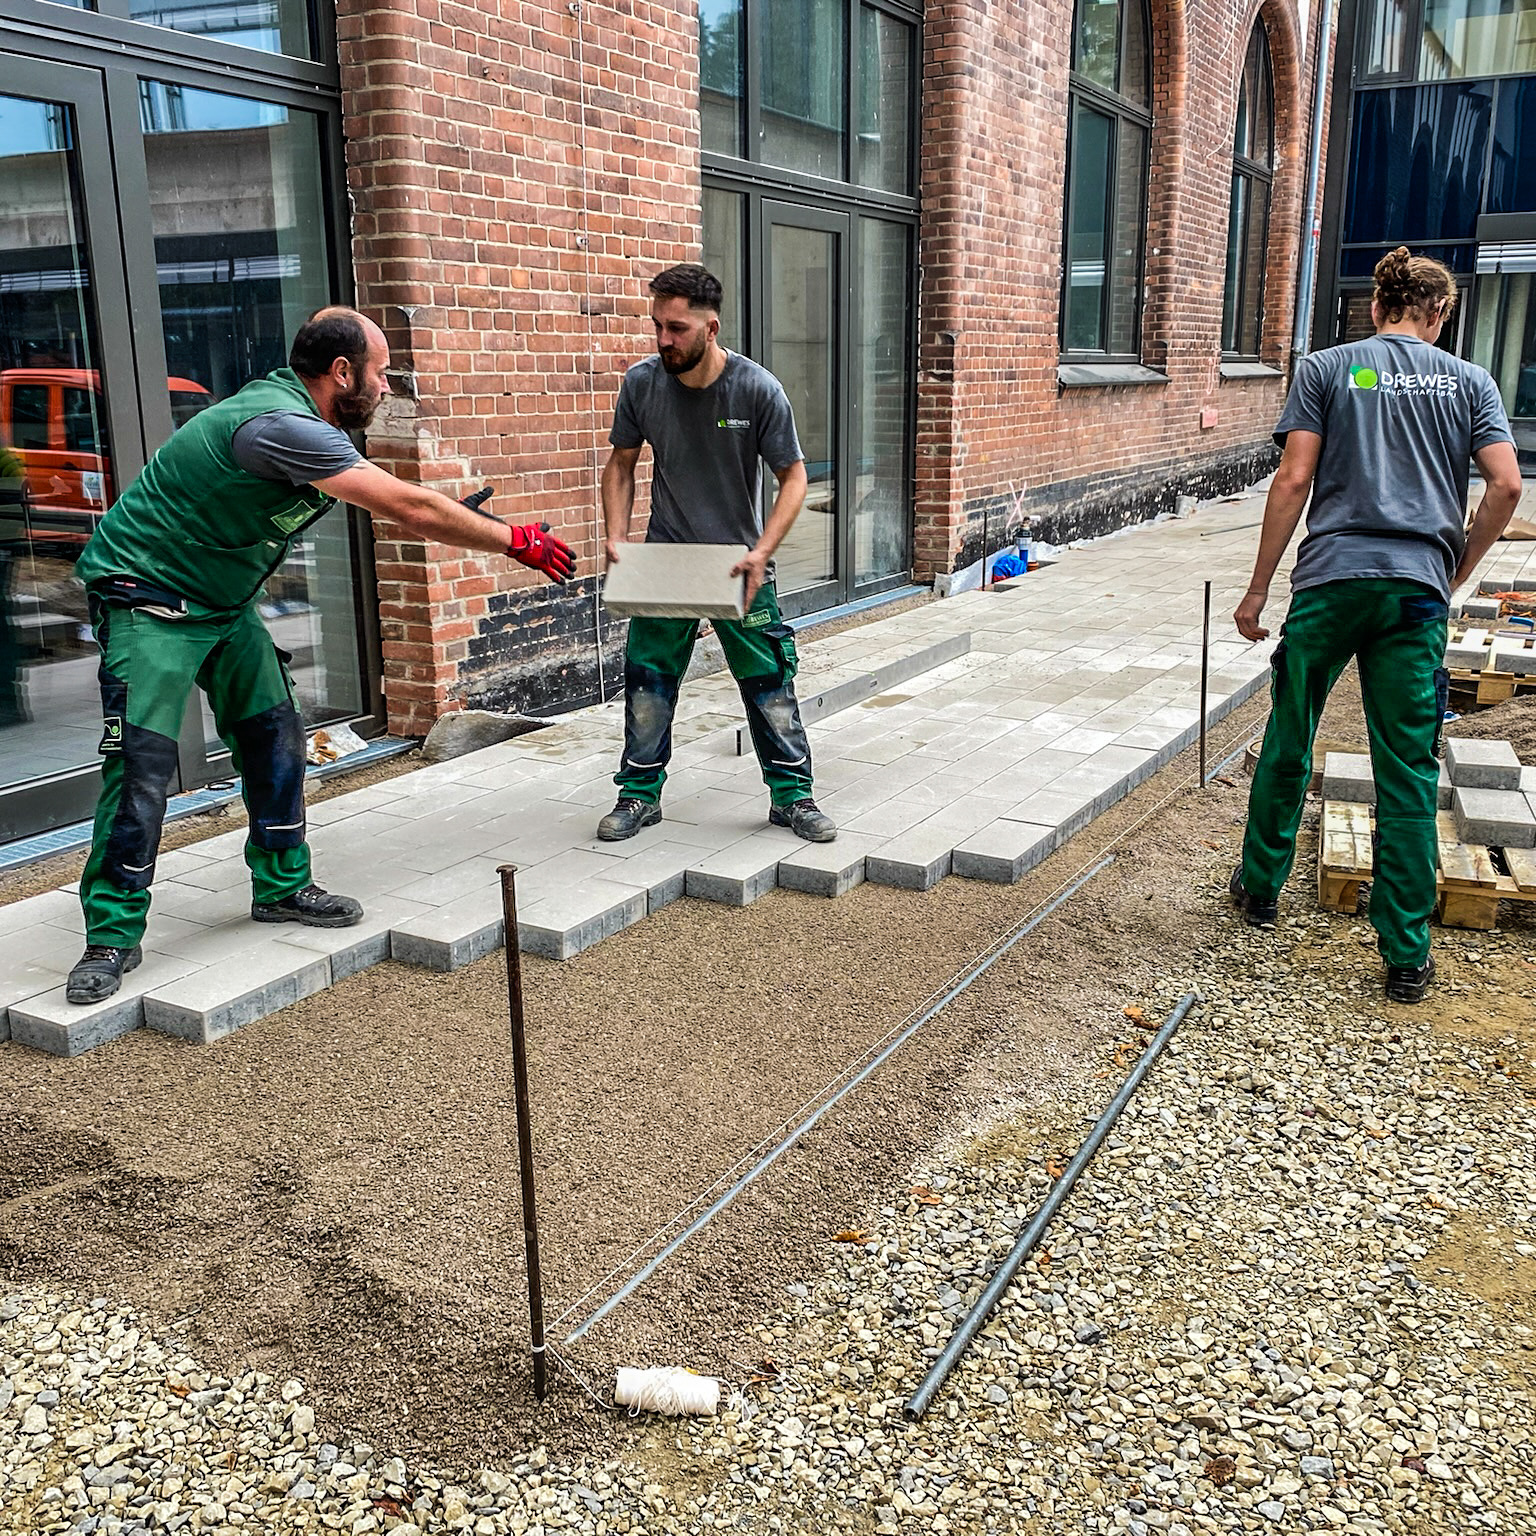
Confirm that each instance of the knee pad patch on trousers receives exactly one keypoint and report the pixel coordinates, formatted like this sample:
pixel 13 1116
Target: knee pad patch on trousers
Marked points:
pixel 148 761
pixel 272 766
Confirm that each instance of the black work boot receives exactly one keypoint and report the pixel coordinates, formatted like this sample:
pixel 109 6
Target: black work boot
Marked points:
pixel 98 973
pixel 1258 912
pixel 627 818
pixel 805 819
pixel 1409 983
pixel 312 907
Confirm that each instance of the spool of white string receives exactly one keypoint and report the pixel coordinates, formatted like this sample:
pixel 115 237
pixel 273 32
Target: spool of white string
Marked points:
pixel 666 1389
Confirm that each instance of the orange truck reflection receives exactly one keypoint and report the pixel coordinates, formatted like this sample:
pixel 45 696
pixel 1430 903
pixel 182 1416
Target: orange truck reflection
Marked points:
pixel 54 420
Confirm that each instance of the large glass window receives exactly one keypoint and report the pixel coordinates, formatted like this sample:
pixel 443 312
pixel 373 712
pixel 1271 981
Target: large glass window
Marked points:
pixel 273 26
pixel 883 361
pixel 721 94
pixel 725 241
pixel 56 468
pixel 887 66
pixel 239 222
pixel 1253 158
pixel 1106 180
pixel 1464 38
pixel 1512 171
pixel 822 88
pixel 1417 163
pixel 1504 339
pixel 803 85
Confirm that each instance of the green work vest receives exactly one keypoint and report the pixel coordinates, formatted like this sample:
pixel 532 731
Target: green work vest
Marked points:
pixel 196 523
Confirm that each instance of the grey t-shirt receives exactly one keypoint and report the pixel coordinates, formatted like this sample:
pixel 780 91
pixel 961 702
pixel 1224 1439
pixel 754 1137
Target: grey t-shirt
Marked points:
pixel 292 447
pixel 1400 420
pixel 707 444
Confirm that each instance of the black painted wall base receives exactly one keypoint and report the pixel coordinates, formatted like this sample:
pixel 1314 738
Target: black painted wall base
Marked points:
pixel 1093 505
pixel 536 652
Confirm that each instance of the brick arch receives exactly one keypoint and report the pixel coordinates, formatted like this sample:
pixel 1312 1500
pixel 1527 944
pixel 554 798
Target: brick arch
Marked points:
pixel 1282 31
pixel 1166 181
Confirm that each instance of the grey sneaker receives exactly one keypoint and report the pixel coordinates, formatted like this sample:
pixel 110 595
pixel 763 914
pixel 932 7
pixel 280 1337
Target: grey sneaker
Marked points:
pixel 99 972
pixel 312 907
pixel 627 818
pixel 805 819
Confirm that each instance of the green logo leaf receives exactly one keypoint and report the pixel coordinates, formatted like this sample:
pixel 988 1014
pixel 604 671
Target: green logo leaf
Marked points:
pixel 1361 377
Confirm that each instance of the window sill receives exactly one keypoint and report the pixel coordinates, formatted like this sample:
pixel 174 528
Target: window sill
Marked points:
pixel 1249 370
pixel 1105 375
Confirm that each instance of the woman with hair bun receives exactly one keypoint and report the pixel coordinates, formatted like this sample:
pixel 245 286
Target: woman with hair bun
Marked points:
pixel 1380 433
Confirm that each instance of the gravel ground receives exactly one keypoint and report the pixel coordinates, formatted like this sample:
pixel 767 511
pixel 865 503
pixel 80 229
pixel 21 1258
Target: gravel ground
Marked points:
pixel 1294 1292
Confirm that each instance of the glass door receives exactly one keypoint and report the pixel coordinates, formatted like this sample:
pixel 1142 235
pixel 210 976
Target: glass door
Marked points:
pixel 804 288
pixel 70 431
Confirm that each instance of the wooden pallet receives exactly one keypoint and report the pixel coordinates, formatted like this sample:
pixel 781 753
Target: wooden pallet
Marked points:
pixel 1469 880
pixel 1493 687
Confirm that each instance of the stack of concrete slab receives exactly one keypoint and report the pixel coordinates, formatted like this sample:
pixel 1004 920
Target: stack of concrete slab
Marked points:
pixel 1347 776
pixel 1490 803
pixel 1470 653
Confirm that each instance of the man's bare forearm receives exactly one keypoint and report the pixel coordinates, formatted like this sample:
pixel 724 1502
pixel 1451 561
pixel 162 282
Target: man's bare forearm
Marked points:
pixel 618 501
pixel 1282 512
pixel 1488 524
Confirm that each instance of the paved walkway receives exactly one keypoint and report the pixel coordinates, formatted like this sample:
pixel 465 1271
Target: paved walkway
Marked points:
pixel 1079 682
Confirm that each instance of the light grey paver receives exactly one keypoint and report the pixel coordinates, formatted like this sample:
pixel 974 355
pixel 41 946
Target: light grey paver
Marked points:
pixel 1501 818
pixel 1348 776
pixel 1512 656
pixel 828 869
pixel 453 935
pixel 738 875
pixel 49 1022
pixel 212 1002
pixel 1471 651
pixel 1482 764
pixel 561 925
pixel 1005 851
pixel 679 581
pixel 915 861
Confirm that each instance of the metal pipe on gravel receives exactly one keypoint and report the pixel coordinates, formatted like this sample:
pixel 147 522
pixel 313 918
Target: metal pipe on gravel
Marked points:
pixel 1002 1277
pixel 508 873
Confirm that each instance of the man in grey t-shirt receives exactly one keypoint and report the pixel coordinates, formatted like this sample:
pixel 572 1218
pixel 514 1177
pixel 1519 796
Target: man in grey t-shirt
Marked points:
pixel 1380 433
pixel 711 417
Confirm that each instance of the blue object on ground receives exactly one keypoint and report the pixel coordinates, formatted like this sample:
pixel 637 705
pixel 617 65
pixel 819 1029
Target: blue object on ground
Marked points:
pixel 1007 566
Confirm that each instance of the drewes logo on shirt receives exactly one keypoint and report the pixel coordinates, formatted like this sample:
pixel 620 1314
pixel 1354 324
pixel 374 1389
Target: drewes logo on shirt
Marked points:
pixel 733 423
pixel 1438 384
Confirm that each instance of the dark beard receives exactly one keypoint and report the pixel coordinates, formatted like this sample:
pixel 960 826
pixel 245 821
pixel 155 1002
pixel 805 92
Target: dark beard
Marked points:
pixel 353 411
pixel 687 360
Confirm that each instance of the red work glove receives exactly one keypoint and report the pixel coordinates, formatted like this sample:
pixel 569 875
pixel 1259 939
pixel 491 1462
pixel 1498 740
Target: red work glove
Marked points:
pixel 532 544
pixel 536 547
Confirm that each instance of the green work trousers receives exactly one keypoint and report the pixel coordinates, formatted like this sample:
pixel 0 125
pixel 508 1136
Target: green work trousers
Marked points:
pixel 1395 631
pixel 760 651
pixel 149 666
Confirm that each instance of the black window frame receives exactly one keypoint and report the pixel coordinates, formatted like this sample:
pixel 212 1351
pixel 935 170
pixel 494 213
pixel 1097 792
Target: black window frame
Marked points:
pixel 1254 174
pixel 763 186
pixel 120 51
pixel 1122 110
pixel 750 164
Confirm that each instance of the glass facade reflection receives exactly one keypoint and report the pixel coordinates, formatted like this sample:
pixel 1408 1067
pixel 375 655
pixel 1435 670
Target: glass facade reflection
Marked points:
pixel 238 214
pixel 808 113
pixel 803 83
pixel 56 465
pixel 273 26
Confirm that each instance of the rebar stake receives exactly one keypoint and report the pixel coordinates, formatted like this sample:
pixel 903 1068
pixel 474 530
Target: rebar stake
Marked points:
pixel 1205 675
pixel 508 874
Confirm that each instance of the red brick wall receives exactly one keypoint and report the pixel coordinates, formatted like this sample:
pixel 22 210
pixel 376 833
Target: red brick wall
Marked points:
pixel 995 432
pixel 520 167
pixel 502 234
